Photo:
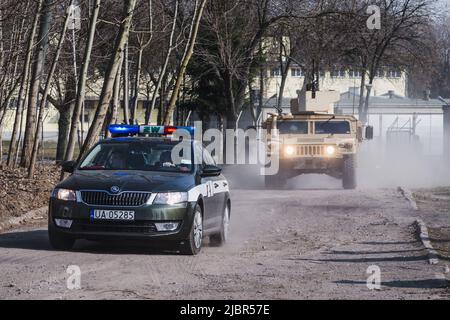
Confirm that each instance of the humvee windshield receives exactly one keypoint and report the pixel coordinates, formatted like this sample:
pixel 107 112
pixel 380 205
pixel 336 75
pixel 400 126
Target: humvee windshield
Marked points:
pixel 332 127
pixel 321 127
pixel 293 127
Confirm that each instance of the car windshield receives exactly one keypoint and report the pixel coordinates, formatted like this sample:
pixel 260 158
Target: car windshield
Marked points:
pixel 332 127
pixel 137 155
pixel 293 127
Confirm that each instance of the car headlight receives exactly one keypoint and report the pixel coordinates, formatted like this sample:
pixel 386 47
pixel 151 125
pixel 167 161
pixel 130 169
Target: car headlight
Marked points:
pixel 64 194
pixel 331 150
pixel 289 150
pixel 170 198
pixel 167 226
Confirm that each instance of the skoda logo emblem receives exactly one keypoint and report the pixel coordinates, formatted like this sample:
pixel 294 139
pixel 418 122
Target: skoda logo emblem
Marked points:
pixel 115 189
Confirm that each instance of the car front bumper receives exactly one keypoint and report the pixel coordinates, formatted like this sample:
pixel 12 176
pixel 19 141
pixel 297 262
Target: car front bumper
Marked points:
pixel 142 228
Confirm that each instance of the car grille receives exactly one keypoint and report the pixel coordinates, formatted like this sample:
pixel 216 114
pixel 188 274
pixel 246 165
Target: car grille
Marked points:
pixel 138 227
pixel 311 150
pixel 124 199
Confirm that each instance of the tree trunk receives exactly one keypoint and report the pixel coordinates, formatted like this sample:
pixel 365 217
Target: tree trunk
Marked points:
pixel 168 118
pixel 135 98
pixel 22 90
pixel 81 92
pixel 64 126
pixel 22 117
pixel 36 76
pixel 148 113
pixel 284 68
pixel 229 94
pixel 126 89
pixel 116 96
pixel 252 102
pixel 262 75
pixel 364 116
pixel 361 92
pixel 110 77
pixel 1 147
pixel 111 114
pixel 284 75
pixel 45 95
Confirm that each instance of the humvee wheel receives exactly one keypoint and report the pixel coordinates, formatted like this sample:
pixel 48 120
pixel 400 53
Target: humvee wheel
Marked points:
pixel 277 181
pixel 349 172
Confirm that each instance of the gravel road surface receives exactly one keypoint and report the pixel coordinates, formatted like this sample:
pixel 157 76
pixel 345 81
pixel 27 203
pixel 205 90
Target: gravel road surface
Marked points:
pixel 286 244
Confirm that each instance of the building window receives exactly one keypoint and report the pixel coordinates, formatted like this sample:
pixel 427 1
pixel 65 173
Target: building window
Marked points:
pixel 338 73
pixel 393 73
pixel 275 72
pixel 379 74
pixel 354 73
pixel 86 118
pixel 297 72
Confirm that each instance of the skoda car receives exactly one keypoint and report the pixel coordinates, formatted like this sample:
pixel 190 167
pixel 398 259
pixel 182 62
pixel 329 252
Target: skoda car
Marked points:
pixel 130 188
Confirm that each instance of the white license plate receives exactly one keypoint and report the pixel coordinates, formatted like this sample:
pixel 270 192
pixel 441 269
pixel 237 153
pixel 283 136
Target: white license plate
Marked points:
pixel 112 215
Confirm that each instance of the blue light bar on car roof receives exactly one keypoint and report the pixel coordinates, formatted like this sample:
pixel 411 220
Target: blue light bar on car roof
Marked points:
pixel 123 129
pixel 131 130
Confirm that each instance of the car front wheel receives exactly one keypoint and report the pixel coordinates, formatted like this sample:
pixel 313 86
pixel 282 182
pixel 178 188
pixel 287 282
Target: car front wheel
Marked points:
pixel 193 245
pixel 221 238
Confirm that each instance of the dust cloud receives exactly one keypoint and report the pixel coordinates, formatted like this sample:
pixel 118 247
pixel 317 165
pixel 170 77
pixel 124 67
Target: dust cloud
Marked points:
pixel 378 166
pixel 381 166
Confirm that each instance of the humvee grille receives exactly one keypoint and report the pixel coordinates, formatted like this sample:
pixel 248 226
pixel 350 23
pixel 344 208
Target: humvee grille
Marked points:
pixel 311 150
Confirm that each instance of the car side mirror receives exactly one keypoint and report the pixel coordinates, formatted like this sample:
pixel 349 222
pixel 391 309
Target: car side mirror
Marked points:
pixel 69 166
pixel 210 171
pixel 369 133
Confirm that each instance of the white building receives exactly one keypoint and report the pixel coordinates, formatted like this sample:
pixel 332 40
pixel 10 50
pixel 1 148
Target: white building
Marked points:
pixel 341 79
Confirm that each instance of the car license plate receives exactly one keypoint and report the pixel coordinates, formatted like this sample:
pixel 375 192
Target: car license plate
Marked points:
pixel 112 215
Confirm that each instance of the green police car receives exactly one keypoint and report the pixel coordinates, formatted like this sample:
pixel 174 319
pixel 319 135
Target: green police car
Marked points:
pixel 130 187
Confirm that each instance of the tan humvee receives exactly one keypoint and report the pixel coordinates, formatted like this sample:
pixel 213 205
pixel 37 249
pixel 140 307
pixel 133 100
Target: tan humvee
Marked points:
pixel 314 140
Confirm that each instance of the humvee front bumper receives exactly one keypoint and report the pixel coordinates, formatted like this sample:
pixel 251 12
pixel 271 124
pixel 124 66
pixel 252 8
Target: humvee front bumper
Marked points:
pixel 312 165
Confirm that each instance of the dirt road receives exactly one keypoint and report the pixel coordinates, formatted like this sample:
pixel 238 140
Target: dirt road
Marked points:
pixel 296 244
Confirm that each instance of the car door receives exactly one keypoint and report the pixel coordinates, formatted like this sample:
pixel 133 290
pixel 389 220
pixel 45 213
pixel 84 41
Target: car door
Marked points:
pixel 207 190
pixel 216 187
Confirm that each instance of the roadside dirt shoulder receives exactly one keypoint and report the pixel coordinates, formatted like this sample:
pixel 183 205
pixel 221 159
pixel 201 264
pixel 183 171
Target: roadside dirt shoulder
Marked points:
pixel 22 199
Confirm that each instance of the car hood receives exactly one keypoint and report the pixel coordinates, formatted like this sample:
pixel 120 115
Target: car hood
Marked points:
pixel 128 181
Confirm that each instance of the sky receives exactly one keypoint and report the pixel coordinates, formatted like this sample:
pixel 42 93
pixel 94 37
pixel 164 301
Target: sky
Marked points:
pixel 445 3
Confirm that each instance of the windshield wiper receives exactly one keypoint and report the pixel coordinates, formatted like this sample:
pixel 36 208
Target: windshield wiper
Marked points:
pixel 93 168
pixel 327 122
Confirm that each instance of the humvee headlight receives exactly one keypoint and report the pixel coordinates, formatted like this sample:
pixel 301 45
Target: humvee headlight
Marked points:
pixel 331 150
pixel 289 150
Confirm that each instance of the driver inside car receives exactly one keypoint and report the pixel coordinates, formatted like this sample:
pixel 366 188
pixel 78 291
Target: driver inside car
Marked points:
pixel 116 160
pixel 165 159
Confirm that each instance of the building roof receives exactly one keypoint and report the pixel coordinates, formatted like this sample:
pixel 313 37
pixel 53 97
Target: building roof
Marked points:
pixel 391 103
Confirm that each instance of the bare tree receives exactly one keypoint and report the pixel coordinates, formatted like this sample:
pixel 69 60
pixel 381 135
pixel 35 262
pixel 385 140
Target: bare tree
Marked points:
pixel 168 118
pixel 38 67
pixel 143 43
pixel 401 21
pixel 162 74
pixel 81 92
pixel 46 92
pixel 110 77
pixel 13 146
